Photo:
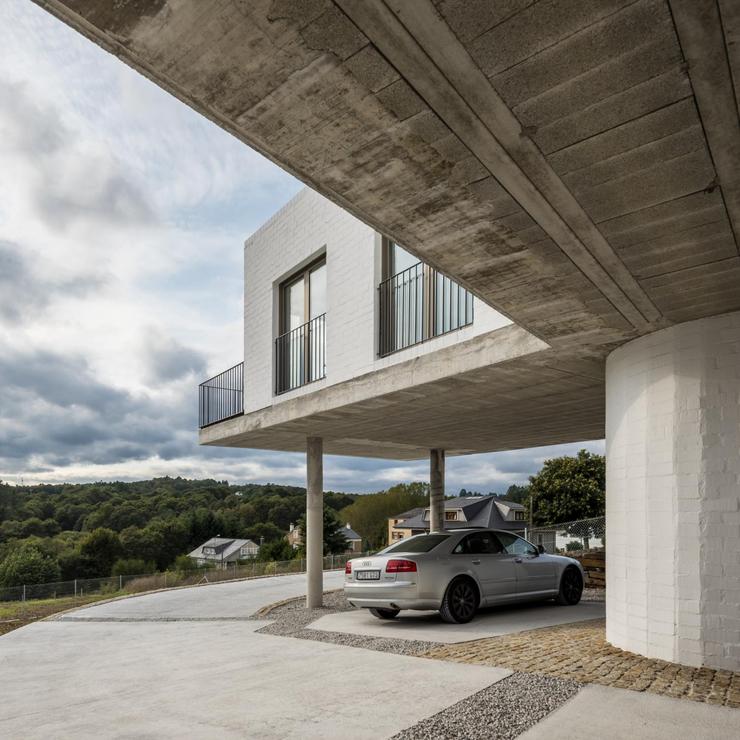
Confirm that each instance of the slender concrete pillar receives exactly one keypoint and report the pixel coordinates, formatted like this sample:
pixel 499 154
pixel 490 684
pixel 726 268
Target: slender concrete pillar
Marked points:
pixel 672 502
pixel 436 490
pixel 315 521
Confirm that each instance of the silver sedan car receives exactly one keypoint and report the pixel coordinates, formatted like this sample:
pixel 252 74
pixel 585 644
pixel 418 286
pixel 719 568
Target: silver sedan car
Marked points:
pixel 458 571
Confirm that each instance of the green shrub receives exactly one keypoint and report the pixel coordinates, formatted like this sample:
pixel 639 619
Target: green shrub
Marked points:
pixel 132 567
pixel 573 545
pixel 27 565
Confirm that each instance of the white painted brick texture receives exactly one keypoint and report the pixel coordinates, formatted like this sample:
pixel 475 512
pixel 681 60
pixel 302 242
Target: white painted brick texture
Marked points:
pixel 673 494
pixel 301 230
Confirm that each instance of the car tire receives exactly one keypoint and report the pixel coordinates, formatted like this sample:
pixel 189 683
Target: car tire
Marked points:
pixel 571 587
pixel 384 613
pixel 460 601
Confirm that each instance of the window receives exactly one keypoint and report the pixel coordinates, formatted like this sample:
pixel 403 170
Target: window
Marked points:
pixel 479 543
pixel 514 545
pixel 519 516
pixel 420 543
pixel 300 349
pixel 416 301
pixel 451 516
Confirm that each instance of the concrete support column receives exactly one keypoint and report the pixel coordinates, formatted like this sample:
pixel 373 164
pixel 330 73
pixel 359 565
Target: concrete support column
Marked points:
pixel 314 521
pixel 673 494
pixel 436 490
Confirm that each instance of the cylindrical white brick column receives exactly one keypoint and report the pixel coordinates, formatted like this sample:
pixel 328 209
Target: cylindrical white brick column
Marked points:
pixel 673 494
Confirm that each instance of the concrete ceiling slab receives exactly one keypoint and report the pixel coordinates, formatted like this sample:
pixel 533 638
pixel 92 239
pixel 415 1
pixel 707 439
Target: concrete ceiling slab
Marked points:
pixel 573 164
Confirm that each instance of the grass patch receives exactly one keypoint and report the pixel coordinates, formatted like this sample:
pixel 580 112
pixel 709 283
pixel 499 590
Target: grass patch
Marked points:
pixel 15 614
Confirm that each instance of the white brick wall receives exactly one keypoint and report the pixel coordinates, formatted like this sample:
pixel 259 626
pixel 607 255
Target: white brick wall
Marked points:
pixel 306 226
pixel 673 494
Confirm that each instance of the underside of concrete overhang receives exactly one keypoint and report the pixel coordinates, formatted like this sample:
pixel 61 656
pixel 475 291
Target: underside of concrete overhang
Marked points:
pixel 574 164
pixel 502 390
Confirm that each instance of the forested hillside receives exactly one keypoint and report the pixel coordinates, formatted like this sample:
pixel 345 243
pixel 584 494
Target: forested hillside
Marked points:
pixel 86 530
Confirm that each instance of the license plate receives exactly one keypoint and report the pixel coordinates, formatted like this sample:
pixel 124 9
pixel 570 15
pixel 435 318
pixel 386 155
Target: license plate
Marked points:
pixel 368 575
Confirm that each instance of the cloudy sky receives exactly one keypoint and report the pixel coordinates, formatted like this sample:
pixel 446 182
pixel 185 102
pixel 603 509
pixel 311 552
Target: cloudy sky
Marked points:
pixel 122 219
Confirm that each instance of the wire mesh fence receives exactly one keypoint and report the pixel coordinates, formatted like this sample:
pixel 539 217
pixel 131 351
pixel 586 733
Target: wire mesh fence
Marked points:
pixel 129 584
pixel 583 534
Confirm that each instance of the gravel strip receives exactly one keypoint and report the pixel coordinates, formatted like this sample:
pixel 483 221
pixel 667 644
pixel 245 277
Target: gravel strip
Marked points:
pixel 292 618
pixel 593 594
pixel 499 712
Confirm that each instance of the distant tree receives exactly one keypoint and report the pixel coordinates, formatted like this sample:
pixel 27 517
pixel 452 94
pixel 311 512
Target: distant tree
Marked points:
pixel 99 550
pixel 569 488
pixel 184 564
pixel 369 514
pixel 463 492
pixel 27 565
pixel 145 544
pixel 132 567
pixel 277 550
pixel 517 494
pixel 334 540
pixel 266 531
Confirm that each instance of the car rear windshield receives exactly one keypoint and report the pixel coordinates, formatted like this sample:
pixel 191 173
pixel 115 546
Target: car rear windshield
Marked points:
pixel 422 543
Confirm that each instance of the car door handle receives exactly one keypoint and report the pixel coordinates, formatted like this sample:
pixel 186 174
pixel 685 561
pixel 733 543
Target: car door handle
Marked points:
pixel 476 562
pixel 517 560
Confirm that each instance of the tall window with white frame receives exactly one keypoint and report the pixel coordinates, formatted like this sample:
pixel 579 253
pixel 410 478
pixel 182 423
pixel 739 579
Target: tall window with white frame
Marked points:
pixel 300 348
pixel 416 301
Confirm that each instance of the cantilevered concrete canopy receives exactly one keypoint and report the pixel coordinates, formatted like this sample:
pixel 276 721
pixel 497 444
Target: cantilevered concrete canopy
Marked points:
pixel 572 163
pixel 501 390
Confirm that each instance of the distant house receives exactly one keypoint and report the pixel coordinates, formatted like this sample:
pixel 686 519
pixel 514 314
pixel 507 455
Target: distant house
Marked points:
pixel 223 550
pixel 464 511
pixel 354 541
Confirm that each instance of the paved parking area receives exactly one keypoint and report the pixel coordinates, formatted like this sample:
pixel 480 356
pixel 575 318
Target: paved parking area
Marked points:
pixel 167 666
pixel 601 712
pixel 488 623
pixel 190 663
pixel 232 600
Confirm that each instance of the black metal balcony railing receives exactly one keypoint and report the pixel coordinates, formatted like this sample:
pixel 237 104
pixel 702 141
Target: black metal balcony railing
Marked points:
pixel 222 396
pixel 300 355
pixel 418 304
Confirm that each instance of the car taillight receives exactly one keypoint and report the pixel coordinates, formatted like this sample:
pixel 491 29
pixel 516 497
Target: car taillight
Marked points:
pixel 348 568
pixel 400 566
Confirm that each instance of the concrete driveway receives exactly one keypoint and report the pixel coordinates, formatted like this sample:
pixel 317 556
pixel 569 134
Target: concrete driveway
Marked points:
pixel 487 623
pixel 187 663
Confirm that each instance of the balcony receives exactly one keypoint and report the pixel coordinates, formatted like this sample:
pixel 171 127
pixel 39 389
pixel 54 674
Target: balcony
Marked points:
pixel 418 304
pixel 300 355
pixel 221 397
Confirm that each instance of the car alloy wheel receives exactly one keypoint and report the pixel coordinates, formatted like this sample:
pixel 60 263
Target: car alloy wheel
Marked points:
pixel 571 587
pixel 460 602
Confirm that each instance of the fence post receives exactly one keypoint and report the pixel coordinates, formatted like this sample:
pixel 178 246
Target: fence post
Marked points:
pixel 24 592
pixel 165 579
pixel 75 588
pixel 120 582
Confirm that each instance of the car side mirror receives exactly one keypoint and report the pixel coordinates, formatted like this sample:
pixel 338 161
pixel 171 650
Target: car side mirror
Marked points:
pixel 541 549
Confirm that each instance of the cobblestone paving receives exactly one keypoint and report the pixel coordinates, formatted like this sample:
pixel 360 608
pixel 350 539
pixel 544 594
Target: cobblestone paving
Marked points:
pixel 579 652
